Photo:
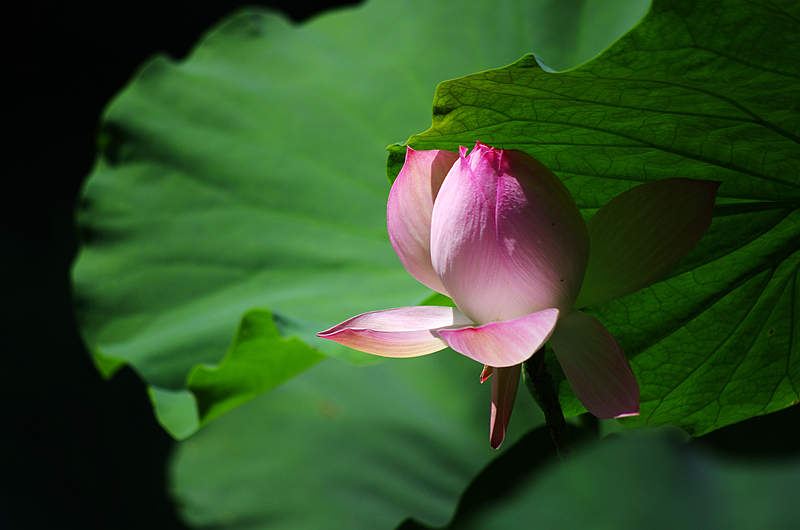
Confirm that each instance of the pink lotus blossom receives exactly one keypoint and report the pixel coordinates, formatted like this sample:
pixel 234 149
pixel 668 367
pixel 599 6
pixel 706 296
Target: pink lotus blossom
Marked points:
pixel 499 233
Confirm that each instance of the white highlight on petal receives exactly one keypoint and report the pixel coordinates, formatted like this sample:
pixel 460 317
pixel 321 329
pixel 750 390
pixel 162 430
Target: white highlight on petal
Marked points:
pixel 506 237
pixel 502 344
pixel 408 211
pixel 400 332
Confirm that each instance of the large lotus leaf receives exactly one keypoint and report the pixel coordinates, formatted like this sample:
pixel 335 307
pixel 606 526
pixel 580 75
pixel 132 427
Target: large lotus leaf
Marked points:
pixel 250 176
pixel 702 89
pixel 340 447
pixel 638 481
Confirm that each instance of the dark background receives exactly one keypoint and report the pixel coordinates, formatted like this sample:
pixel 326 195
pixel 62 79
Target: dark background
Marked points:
pixel 78 451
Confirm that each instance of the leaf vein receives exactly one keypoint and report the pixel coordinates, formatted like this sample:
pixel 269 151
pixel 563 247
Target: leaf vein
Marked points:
pixel 717 347
pixel 754 120
pixel 678 152
pixel 728 100
pixel 792 309
pixel 752 342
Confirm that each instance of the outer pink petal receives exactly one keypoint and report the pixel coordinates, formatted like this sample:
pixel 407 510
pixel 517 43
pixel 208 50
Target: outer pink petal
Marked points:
pixel 408 211
pixel 501 344
pixel 401 332
pixel 504 391
pixel 641 234
pixel 506 237
pixel 596 367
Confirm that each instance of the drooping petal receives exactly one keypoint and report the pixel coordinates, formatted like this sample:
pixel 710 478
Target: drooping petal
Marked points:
pixel 641 234
pixel 501 344
pixel 506 237
pixel 401 332
pixel 408 211
pixel 504 391
pixel 595 366
pixel 486 373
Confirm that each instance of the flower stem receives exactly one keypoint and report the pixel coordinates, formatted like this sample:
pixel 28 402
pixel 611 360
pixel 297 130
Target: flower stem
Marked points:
pixel 540 385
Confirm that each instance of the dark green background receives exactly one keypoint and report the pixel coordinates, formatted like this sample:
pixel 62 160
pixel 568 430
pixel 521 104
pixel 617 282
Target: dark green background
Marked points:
pixel 80 452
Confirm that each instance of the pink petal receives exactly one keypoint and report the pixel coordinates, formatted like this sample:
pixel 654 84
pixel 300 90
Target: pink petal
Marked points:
pixel 501 344
pixel 504 391
pixel 401 332
pixel 595 366
pixel 506 237
pixel 408 211
pixel 640 235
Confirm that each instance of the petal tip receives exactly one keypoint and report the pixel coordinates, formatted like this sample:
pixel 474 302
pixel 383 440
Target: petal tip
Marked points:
pixel 496 441
pixel 327 333
pixel 504 391
pixel 486 373
pixel 596 367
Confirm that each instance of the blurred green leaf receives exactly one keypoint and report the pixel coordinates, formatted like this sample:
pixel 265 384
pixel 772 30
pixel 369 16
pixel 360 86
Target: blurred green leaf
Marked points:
pixel 250 176
pixel 259 360
pixel 702 89
pixel 642 480
pixel 344 448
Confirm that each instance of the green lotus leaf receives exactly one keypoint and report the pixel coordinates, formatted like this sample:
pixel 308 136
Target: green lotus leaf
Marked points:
pixel 701 89
pixel 249 177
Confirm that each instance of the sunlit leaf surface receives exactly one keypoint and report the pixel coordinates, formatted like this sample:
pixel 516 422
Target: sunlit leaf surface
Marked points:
pixel 242 189
pixel 340 447
pixel 250 176
pixel 700 89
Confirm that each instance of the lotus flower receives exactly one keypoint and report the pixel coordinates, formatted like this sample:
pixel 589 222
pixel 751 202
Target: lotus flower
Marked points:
pixel 499 233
